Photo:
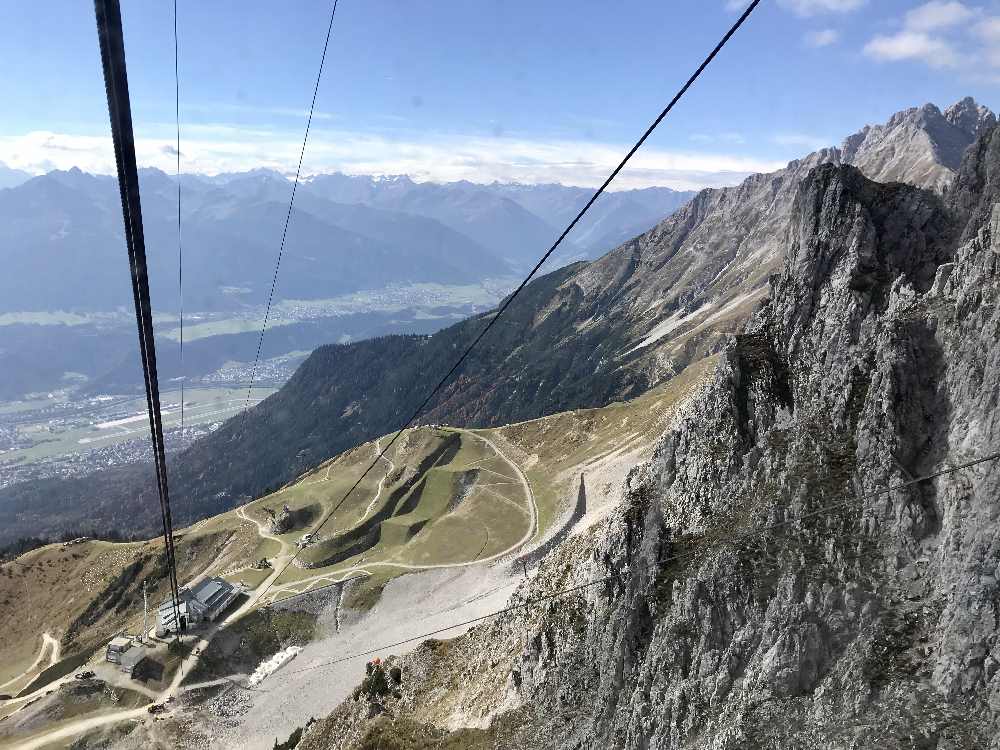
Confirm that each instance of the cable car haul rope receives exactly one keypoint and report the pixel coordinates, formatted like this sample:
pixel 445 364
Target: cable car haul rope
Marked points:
pixel 109 31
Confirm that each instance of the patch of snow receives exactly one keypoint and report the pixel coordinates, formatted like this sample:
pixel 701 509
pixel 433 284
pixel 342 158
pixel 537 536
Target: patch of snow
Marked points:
pixel 730 306
pixel 272 665
pixel 668 326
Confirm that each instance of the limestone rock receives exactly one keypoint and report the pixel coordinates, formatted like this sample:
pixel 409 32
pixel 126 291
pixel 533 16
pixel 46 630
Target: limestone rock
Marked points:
pixel 760 584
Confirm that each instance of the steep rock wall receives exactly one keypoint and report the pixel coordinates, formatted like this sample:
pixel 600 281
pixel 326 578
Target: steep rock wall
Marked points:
pixel 759 588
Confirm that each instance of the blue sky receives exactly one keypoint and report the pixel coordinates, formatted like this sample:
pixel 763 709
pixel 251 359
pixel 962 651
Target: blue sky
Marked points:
pixel 532 90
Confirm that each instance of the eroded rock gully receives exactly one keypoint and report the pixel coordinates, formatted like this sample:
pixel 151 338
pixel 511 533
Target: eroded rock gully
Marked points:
pixel 762 592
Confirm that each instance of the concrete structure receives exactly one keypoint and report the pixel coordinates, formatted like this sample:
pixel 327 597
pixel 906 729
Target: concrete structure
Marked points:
pixel 201 603
pixel 117 648
pixel 131 661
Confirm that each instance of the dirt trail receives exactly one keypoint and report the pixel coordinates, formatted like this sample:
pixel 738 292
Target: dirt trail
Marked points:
pixel 365 567
pixel 381 482
pixel 79 727
pixel 34 665
pixel 436 606
pixel 56 648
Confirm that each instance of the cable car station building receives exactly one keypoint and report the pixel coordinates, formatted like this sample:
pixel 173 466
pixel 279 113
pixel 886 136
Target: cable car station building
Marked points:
pixel 200 603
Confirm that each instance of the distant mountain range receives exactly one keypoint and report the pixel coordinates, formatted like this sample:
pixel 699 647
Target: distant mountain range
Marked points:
pixel 63 245
pixel 12 177
pixel 514 221
pixel 583 336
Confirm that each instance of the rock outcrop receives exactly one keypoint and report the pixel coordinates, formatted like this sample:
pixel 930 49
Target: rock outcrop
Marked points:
pixel 773 577
pixel 920 146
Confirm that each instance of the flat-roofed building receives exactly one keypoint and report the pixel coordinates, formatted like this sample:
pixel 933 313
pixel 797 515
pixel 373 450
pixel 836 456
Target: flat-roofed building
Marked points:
pixel 117 648
pixel 132 660
pixel 203 602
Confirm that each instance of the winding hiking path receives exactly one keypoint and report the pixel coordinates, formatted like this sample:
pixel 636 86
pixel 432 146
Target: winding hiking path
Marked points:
pixel 278 565
pixel 190 661
pixel 332 577
pixel 48 642
pixel 381 482
pixel 79 727
pixel 364 568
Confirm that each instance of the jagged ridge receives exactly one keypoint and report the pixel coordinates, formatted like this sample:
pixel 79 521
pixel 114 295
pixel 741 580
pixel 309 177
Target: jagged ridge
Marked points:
pixel 872 361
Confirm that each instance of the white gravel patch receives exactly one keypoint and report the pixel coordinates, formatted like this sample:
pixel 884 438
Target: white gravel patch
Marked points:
pixel 410 606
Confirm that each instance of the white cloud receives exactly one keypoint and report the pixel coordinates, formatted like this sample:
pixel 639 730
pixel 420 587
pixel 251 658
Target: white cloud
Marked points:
pixel 821 38
pixel 988 30
pixel 937 14
pixel 476 158
pixel 913 45
pixel 815 7
pixel 735 138
pixel 933 33
pixel 802 140
pixel 254 110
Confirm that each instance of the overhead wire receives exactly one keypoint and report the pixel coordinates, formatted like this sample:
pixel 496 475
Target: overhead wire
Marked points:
pixel 288 216
pixel 180 251
pixel 532 602
pixel 510 298
pixel 112 45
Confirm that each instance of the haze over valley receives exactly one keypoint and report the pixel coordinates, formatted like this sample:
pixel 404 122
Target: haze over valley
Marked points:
pixel 366 257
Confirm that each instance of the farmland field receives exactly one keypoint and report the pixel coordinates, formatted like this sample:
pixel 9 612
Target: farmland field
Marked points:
pixel 48 429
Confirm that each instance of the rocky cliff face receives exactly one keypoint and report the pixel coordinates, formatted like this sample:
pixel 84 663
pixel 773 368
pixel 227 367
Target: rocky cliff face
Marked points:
pixel 921 146
pixel 682 288
pixel 760 587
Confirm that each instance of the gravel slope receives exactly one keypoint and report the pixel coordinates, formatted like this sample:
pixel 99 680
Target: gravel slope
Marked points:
pixel 410 605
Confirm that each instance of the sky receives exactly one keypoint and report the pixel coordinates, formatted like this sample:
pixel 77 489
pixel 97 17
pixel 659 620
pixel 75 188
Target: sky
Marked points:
pixel 510 90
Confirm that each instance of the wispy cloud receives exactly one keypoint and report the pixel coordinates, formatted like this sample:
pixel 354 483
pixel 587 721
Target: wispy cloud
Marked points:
pixel 804 7
pixel 988 30
pixel 251 109
pixel 821 38
pixel 938 14
pixel 941 34
pixel 802 140
pixel 476 158
pixel 913 45
pixel 815 7
pixel 731 138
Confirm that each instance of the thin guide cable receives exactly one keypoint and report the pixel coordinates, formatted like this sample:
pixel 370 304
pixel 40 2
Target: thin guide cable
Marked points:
pixel 507 302
pixel 180 250
pixel 288 216
pixel 665 561
pixel 531 602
